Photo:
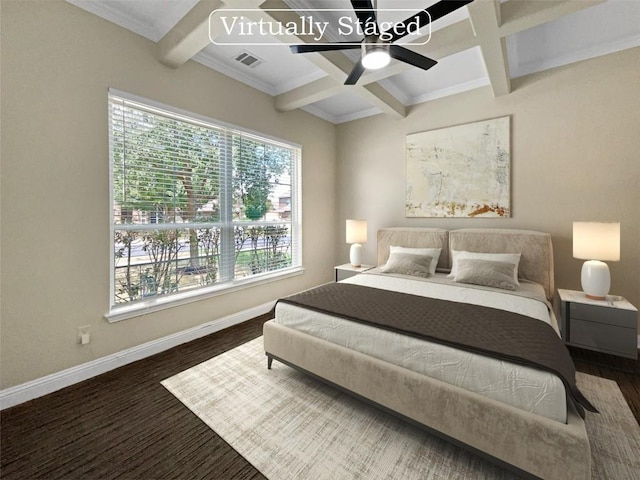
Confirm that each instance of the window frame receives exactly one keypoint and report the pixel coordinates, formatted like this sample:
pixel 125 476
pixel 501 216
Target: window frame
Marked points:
pixel 124 311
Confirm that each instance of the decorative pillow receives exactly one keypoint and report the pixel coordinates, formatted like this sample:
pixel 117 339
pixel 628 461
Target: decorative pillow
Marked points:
pixel 408 264
pixel 490 273
pixel 513 258
pixel 434 253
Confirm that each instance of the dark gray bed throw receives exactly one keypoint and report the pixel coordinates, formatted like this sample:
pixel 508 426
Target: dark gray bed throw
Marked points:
pixel 483 330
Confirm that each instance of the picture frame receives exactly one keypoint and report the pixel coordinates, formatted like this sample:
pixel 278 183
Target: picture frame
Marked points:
pixel 460 171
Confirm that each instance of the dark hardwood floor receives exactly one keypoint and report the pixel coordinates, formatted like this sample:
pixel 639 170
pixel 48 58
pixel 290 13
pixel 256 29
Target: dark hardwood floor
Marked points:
pixel 124 424
pixel 625 372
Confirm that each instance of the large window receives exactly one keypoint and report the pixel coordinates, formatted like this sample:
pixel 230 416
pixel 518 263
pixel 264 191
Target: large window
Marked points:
pixel 198 206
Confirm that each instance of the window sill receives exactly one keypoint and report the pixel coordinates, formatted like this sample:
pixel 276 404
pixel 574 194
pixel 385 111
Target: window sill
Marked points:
pixel 163 303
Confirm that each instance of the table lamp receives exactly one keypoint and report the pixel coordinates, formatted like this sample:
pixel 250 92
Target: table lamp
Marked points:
pixel 356 234
pixel 595 243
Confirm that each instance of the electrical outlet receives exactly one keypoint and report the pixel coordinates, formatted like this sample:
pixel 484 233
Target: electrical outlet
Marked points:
pixel 83 334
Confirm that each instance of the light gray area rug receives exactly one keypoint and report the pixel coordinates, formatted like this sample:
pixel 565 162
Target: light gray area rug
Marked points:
pixel 290 426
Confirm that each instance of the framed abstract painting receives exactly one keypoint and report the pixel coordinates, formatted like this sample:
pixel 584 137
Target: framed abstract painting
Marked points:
pixel 460 171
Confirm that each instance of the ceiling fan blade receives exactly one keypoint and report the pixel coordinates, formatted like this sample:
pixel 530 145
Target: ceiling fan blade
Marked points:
pixel 412 58
pixel 322 47
pixel 426 16
pixel 355 74
pixel 365 13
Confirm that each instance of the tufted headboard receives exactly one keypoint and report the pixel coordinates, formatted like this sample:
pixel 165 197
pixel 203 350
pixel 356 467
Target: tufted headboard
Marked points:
pixel 536 262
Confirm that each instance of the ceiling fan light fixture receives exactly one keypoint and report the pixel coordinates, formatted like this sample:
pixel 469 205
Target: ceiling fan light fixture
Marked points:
pixel 375 53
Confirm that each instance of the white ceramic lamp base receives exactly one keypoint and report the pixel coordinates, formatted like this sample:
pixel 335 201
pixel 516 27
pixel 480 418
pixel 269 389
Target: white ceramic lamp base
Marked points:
pixel 596 279
pixel 355 255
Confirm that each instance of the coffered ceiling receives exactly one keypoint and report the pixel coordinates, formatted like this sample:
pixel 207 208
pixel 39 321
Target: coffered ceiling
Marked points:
pixel 488 42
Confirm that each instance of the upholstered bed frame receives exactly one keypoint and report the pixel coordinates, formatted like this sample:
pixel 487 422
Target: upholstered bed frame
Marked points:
pixel 529 444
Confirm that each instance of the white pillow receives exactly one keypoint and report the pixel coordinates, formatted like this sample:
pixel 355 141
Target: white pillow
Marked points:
pixel 434 253
pixel 408 264
pixel 486 272
pixel 513 258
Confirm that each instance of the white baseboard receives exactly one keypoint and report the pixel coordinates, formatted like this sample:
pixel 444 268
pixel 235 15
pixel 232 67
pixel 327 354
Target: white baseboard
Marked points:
pixel 42 386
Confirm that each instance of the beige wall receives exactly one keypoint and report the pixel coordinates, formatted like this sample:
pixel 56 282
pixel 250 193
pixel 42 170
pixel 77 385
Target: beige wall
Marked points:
pixel 57 65
pixel 575 135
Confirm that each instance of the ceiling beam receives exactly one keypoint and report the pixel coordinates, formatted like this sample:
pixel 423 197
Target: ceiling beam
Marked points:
pixel 485 16
pixel 188 36
pixel 312 92
pixel 377 96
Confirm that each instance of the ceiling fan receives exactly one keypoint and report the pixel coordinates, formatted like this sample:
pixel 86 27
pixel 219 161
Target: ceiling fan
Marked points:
pixel 378 46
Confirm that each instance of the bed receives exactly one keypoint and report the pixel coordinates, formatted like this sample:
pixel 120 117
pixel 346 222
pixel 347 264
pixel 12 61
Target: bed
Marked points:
pixel 515 415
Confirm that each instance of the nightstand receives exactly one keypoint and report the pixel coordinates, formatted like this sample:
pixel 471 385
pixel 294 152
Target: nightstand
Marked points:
pixel 608 326
pixel 346 271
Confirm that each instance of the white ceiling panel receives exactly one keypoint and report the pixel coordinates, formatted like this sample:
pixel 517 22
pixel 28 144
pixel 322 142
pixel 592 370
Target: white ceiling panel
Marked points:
pixel 461 71
pixel 599 30
pixel 280 71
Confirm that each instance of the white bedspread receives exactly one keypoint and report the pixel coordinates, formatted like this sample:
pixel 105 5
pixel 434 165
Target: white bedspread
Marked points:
pixel 530 389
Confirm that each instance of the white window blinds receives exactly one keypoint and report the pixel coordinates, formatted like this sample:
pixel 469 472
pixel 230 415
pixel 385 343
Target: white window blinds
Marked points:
pixel 196 205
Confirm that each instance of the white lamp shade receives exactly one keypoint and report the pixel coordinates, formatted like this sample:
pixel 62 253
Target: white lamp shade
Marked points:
pixel 596 241
pixel 356 231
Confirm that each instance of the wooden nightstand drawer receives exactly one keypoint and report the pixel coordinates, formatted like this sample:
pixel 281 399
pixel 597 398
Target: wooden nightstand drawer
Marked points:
pixel 604 314
pixel 604 338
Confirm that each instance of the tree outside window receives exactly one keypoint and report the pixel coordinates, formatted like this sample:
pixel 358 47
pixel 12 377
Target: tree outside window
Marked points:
pixel 195 204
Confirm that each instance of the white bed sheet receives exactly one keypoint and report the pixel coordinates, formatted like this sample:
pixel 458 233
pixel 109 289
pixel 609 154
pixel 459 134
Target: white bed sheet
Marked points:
pixel 527 388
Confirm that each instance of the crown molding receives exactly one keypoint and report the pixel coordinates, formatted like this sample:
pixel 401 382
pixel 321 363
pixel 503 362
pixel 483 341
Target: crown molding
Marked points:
pixel 446 92
pixel 106 11
pixel 171 14
pixel 369 112
pixel 519 69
